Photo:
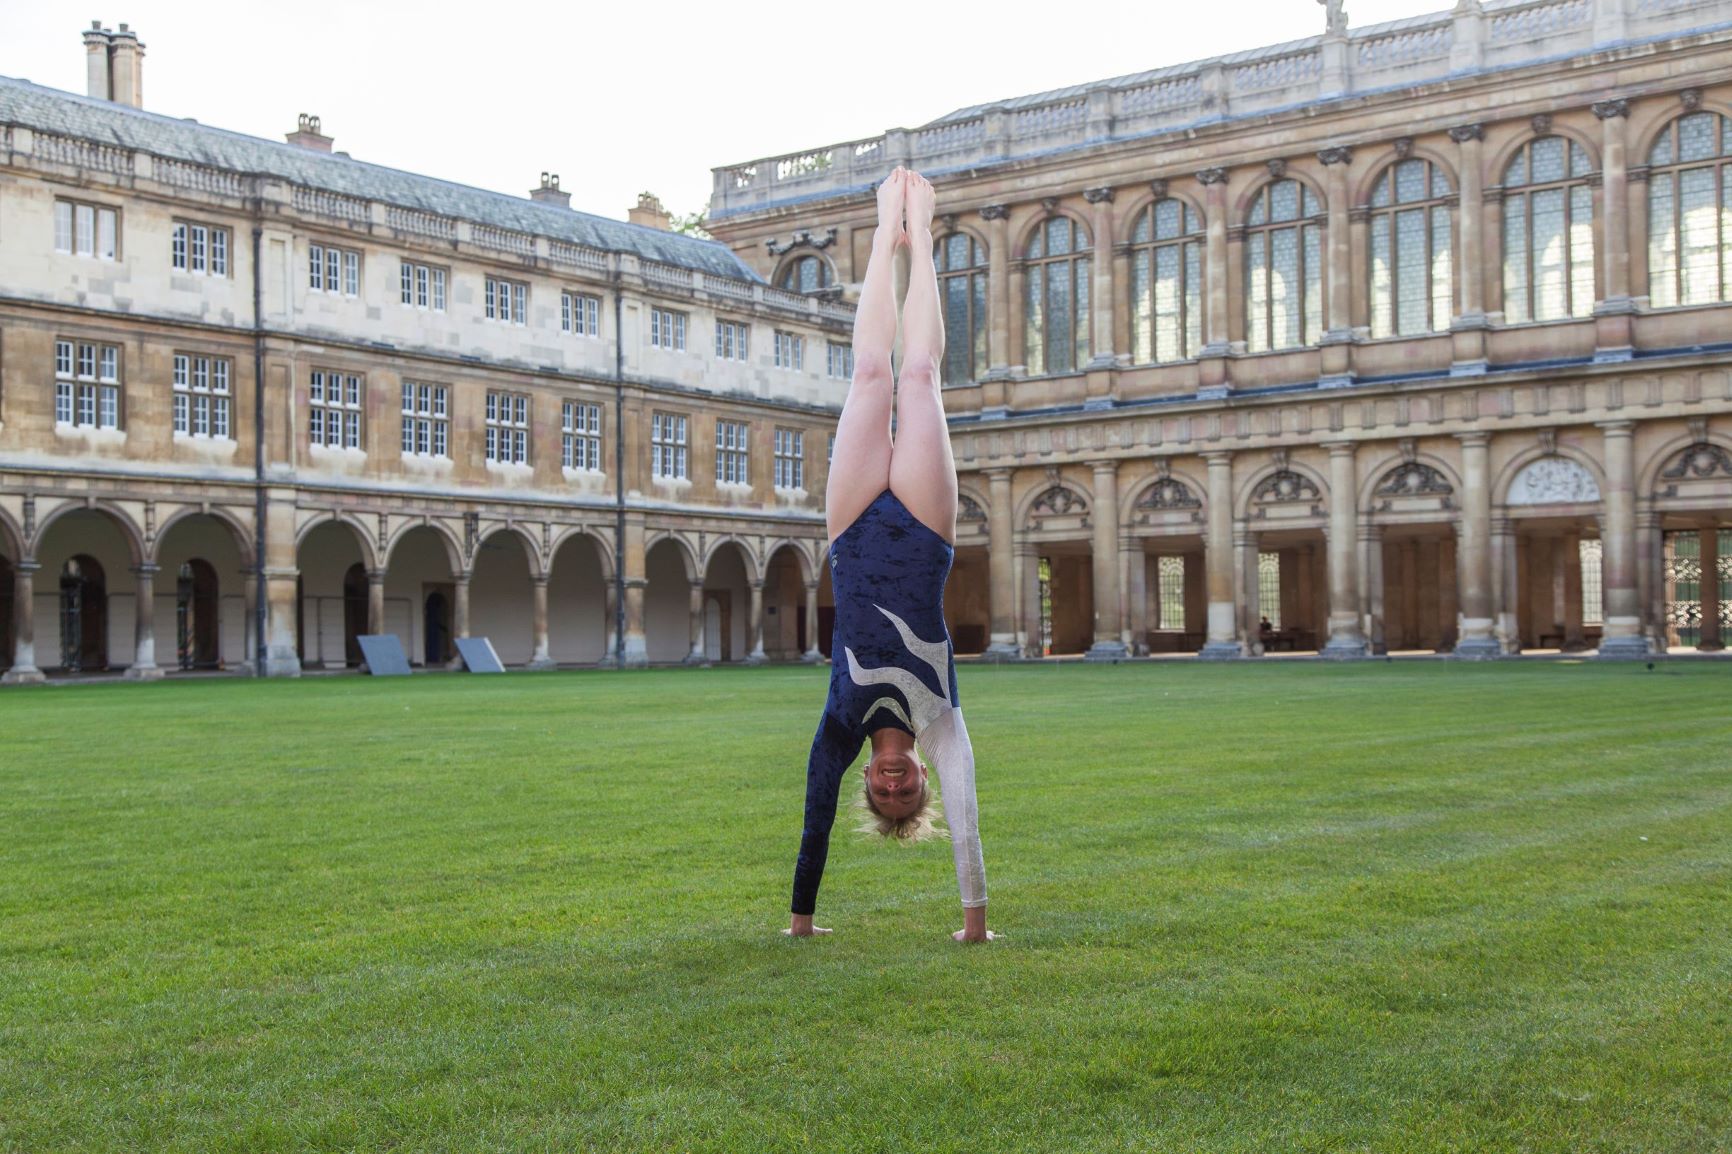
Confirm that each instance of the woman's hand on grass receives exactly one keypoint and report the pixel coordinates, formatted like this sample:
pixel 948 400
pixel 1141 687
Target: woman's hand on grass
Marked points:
pixel 974 926
pixel 800 926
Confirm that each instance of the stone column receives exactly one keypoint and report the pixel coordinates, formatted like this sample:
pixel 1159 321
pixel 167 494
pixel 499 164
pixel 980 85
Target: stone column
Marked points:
pixel 998 258
pixel 1109 620
pixel 460 615
pixel 756 656
pixel 1001 563
pixel 1223 630
pixel 1710 545
pixel 1448 595
pixel 540 658
pixel 1306 595
pixel 144 667
pixel 1250 590
pixel 1030 556
pixel 1338 334
pixel 610 615
pixel 1506 585
pixel 1570 560
pixel 1468 326
pixel 1375 627
pixel 1651 578
pixel 1623 618
pixel 375 602
pixel 813 653
pixel 1102 300
pixel 1212 373
pixel 23 670
pixel 696 655
pixel 281 658
pixel 1346 637
pixel 1615 311
pixel 1473 555
pixel 636 648
pixel 1136 587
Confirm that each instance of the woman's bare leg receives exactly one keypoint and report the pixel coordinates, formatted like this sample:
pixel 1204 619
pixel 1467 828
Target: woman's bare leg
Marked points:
pixel 860 464
pixel 922 471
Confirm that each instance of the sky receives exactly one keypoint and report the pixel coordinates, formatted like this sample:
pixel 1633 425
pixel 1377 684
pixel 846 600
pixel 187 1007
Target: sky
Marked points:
pixel 624 98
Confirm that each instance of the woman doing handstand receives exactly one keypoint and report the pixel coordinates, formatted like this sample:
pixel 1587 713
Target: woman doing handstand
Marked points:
pixel 892 518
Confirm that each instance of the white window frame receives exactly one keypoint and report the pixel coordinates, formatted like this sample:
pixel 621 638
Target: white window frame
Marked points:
pixel 199 249
pixel 335 404
pixel 421 286
pixel 733 452
pixel 580 434
pixel 579 314
pixel 507 301
pixel 87 385
pixel 790 351
pixel 790 472
pixel 202 397
pixel 733 340
pixel 668 330
pixel 84 228
pixel 507 428
pixel 333 270
pixel 839 360
pixel 668 448
pixel 426 420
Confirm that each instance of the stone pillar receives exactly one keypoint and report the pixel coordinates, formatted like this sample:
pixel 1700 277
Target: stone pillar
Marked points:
pixel 1346 637
pixel 998 258
pixel 696 655
pixel 610 617
pixel 540 658
pixel 1223 630
pixel 23 670
pixel 460 614
pixel 281 586
pixel 1136 586
pixel 1372 551
pixel 1468 326
pixel 1448 596
pixel 1212 376
pixel 813 653
pixel 1710 544
pixel 1032 645
pixel 144 667
pixel 636 648
pixel 1570 561
pixel 1505 559
pixel 1651 578
pixel 756 656
pixel 1306 594
pixel 1623 618
pixel 1409 594
pixel 375 602
pixel 1250 590
pixel 1473 555
pixel 1338 333
pixel 1614 314
pixel 1108 599
pixel 1102 300
pixel 1001 563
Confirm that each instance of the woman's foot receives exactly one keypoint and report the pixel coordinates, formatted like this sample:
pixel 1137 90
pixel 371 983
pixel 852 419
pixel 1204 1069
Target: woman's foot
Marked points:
pixel 891 195
pixel 919 200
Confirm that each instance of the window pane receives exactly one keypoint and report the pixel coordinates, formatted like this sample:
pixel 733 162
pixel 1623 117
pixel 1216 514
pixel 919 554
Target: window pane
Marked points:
pixel 1034 331
pixel 1382 278
pixel 1167 303
pixel 1143 349
pixel 1257 290
pixel 1662 243
pixel 1700 218
pixel 1411 289
pixel 1442 270
pixel 1284 287
pixel 1551 266
pixel 1515 260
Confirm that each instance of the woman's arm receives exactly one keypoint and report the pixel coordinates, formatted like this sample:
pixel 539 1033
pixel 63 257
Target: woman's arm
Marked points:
pixel 834 748
pixel 947 745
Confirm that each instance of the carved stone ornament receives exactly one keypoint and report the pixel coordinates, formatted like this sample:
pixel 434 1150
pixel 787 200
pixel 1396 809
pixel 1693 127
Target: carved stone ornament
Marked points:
pixel 1283 487
pixel 1212 176
pixel 1611 109
pixel 1698 463
pixel 1414 480
pixel 1097 195
pixel 1158 186
pixel 1409 449
pixel 801 238
pixel 968 509
pixel 995 212
pixel 1542 124
pixel 1339 154
pixel 1050 203
pixel 1058 501
pixel 1692 99
pixel 1549 442
pixel 1167 493
pixel 1336 18
pixel 1404 147
pixel 1554 481
pixel 1277 168
pixel 1462 133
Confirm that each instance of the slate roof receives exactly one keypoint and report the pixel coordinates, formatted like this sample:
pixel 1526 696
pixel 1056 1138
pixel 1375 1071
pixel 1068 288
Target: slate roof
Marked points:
pixel 68 114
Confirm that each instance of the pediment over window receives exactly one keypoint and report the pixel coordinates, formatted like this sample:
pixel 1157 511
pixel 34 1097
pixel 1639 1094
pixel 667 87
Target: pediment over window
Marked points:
pixel 1414 486
pixel 1702 465
pixel 1554 481
pixel 968 509
pixel 1058 501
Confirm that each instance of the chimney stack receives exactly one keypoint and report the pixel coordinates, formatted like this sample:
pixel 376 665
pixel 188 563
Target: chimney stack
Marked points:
pixel 307 135
pixel 649 211
pixel 114 66
pixel 549 192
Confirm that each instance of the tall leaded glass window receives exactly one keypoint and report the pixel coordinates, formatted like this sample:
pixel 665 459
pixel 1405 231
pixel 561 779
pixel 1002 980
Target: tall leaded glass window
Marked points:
pixel 1412 272
pixel 1269 587
pixel 808 274
pixel 1056 276
pixel 1548 232
pixel 1593 585
pixel 1166 283
pixel 1690 212
pixel 961 264
pixel 1170 576
pixel 1284 268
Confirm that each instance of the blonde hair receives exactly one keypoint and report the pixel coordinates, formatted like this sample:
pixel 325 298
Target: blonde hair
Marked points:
pixel 916 827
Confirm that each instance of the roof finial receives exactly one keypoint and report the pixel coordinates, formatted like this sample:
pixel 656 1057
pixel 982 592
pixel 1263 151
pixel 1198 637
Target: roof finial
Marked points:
pixel 1337 25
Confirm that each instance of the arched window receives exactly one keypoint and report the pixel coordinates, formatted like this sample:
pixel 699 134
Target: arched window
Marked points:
pixel 961 264
pixel 1548 232
pixel 1689 253
pixel 1166 283
pixel 1057 334
pixel 1284 268
pixel 1412 274
pixel 805 275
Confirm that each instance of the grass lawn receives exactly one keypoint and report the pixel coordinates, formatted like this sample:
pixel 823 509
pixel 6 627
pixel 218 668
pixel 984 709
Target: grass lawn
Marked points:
pixel 1278 907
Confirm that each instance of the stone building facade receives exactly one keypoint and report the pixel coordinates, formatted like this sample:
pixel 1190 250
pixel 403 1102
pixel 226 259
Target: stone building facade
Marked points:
pixel 258 398
pixel 1412 336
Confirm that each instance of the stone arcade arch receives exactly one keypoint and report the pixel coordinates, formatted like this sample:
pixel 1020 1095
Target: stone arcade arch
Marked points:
pixel 580 594
pixel 672 585
pixel 1281 559
pixel 1164 529
pixel 1685 538
pixel 10 554
pixel 789 625
pixel 203 593
pixel 427 594
pixel 733 605
pixel 1545 534
pixel 502 595
pixel 1058 569
pixel 88 592
pixel 1408 510
pixel 339 592
pixel 967 595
